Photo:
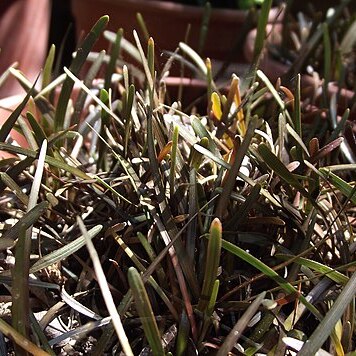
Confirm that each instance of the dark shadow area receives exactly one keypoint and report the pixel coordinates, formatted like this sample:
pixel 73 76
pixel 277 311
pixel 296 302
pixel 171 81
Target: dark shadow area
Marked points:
pixel 62 32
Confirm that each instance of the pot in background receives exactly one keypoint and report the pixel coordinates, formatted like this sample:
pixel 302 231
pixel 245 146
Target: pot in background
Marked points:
pixel 167 23
pixel 275 69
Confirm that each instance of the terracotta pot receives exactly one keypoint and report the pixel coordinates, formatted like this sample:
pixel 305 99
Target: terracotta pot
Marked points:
pixel 24 29
pixel 7 105
pixel 25 42
pixel 167 23
pixel 275 69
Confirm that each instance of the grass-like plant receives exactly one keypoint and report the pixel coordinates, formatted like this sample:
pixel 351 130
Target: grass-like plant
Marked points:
pixel 131 224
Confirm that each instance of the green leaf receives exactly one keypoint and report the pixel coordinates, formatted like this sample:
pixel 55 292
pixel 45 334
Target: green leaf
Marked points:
pixel 15 170
pixel 195 57
pixel 212 156
pixel 90 76
pixel 77 63
pixel 242 212
pixel 327 325
pixel 236 332
pixel 129 102
pixel 64 251
pixel 195 156
pixel 300 142
pixel 192 230
pixel 201 131
pixel 37 129
pixel 349 39
pixel 113 57
pixel 183 334
pixel 143 27
pixel 104 98
pixel 172 170
pixel 151 280
pixel 151 56
pixel 211 264
pixel 269 272
pixel 340 126
pixel 271 88
pixel 213 297
pixel 278 167
pixel 261 29
pixel 146 65
pixel 18 339
pixel 20 289
pixel 319 267
pixel 345 188
pixel 169 227
pixel 235 167
pixel 112 190
pixel 37 330
pixel 47 69
pixel 93 96
pixel 26 221
pixel 209 81
pixel 20 293
pixel 161 275
pixel 126 46
pixel 204 27
pixel 50 160
pixel 145 312
pixel 10 183
pixel 340 167
pixel 327 59
pixel 209 311
pixel 297 108
pixel 11 120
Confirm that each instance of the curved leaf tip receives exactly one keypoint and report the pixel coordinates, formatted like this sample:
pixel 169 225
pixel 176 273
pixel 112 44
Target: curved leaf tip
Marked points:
pixel 216 224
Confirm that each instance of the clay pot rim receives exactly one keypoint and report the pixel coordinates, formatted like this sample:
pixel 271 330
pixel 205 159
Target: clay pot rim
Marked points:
pixel 186 11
